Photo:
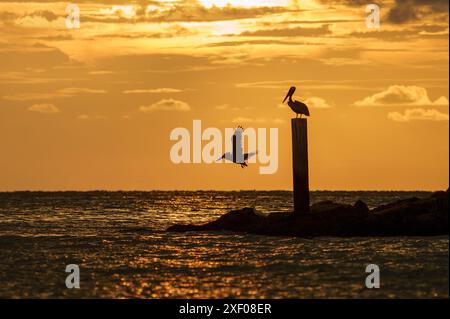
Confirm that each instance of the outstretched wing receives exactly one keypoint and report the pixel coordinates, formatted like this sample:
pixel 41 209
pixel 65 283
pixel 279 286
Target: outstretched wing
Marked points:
pixel 307 113
pixel 224 156
pixel 249 155
pixel 239 132
pixel 301 108
pixel 237 144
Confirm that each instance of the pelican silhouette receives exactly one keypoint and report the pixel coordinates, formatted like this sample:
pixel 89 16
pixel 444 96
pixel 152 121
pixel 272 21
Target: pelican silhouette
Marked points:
pixel 296 106
pixel 237 148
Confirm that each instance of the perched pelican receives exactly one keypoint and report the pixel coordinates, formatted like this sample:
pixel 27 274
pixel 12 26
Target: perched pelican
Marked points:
pixel 296 106
pixel 237 146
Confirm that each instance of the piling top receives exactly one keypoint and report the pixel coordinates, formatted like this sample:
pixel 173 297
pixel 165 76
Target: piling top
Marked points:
pixel 299 120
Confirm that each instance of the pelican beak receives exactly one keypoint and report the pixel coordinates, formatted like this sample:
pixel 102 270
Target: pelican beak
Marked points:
pixel 289 93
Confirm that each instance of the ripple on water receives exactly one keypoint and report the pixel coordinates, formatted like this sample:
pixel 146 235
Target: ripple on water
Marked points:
pixel 118 240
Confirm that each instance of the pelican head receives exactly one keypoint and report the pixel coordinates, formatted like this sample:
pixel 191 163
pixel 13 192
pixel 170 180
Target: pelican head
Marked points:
pixel 290 93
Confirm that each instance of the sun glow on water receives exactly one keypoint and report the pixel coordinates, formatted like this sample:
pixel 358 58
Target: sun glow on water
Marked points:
pixel 244 3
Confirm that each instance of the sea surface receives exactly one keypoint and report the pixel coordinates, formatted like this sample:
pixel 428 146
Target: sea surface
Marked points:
pixel 118 240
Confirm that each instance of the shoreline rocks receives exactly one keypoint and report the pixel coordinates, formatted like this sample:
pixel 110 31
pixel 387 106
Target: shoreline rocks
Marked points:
pixel 411 217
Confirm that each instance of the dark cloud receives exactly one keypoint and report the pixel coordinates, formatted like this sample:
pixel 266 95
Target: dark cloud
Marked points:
pixel 47 15
pixel 192 12
pixel 200 13
pixel 412 10
pixel 171 32
pixel 325 21
pixel 425 31
pixel 6 16
pixel 36 56
pixel 260 42
pixel 180 11
pixel 290 32
pixel 10 17
pixel 401 11
pixel 56 37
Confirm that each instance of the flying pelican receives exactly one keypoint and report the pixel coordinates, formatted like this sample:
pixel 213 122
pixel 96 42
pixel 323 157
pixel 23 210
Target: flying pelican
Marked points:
pixel 296 106
pixel 233 157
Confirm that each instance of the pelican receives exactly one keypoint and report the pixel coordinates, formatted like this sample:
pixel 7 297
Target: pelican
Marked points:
pixel 237 142
pixel 296 106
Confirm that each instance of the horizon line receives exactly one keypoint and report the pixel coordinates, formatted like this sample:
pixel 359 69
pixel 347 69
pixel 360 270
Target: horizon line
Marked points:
pixel 212 190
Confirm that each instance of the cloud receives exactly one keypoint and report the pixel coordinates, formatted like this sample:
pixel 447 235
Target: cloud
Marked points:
pixel 8 17
pixel 279 121
pixel 412 10
pixel 168 32
pixel 399 95
pixel 44 108
pixel 306 84
pixel 62 93
pixel 194 12
pixel 21 57
pixel 407 34
pixel 46 14
pixel 227 107
pixel 180 11
pixel 153 91
pixel 56 37
pixel 418 115
pixel 76 91
pixel 141 11
pixel 260 120
pixel 403 11
pixel 317 103
pixel 259 42
pixel 312 102
pixel 290 32
pixel 101 72
pixel 223 107
pixel 166 105
pixel 122 11
pixel 85 117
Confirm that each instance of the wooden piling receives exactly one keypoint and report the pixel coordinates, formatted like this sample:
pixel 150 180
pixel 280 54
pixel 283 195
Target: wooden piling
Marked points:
pixel 300 165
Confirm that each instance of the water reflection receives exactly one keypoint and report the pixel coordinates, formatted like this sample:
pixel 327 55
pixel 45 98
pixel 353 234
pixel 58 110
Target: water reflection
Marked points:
pixel 119 243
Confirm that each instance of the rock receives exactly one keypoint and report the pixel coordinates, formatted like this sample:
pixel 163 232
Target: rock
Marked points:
pixel 361 206
pixel 411 217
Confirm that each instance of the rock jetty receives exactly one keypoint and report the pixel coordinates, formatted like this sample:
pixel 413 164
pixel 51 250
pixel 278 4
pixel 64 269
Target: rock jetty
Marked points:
pixel 410 217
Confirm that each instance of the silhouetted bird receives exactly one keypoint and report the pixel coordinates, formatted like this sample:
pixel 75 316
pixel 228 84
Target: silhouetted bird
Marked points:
pixel 237 149
pixel 296 106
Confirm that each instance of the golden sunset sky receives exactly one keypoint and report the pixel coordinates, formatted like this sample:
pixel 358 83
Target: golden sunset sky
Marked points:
pixel 93 108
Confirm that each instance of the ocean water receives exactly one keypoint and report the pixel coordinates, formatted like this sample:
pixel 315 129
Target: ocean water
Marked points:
pixel 119 242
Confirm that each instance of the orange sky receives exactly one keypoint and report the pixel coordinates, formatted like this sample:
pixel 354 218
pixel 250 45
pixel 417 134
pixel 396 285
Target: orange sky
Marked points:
pixel 93 108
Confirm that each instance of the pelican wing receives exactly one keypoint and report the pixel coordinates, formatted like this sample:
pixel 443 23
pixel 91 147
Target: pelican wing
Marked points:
pixel 249 155
pixel 299 108
pixel 227 157
pixel 237 140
